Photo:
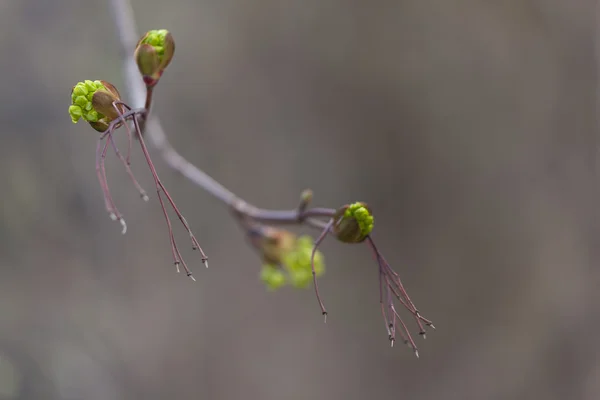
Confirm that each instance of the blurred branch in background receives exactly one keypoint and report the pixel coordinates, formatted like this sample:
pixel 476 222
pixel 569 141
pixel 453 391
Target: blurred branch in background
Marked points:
pixel 480 120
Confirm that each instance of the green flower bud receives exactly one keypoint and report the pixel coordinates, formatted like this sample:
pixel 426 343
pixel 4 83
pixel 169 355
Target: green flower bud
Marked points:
pixel 301 278
pixel 299 256
pixel 353 223
pixel 297 262
pixel 75 112
pixel 273 277
pixel 153 54
pixel 92 101
pixel 291 255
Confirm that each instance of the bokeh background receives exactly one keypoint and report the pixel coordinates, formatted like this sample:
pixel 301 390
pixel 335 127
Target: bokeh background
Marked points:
pixel 468 126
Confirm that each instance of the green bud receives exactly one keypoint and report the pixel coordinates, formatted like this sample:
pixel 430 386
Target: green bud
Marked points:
pixel 353 223
pixel 297 262
pixel 79 90
pixel 92 101
pixel 75 112
pixel 153 54
pixel 273 277
pixel 291 255
pixel 91 116
pixel 301 278
pixel 82 102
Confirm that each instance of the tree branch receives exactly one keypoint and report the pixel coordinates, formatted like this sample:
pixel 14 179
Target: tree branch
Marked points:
pixel 122 14
pixel 349 224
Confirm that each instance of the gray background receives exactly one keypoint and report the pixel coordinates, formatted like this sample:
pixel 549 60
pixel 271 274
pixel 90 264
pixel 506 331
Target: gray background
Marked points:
pixel 468 126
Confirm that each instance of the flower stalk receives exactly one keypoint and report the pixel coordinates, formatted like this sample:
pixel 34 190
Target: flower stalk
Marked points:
pixel 98 103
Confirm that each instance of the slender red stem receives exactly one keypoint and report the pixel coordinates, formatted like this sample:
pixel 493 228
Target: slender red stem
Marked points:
pixel 101 172
pixel 160 187
pixel 389 279
pixel 318 242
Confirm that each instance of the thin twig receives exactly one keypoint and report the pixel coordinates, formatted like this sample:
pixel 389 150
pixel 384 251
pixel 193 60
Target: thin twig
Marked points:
pixel 114 213
pixel 126 29
pixel 318 242
pixel 126 160
pixel 250 217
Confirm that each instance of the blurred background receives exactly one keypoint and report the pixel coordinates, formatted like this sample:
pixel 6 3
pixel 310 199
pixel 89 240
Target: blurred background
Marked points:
pixel 468 126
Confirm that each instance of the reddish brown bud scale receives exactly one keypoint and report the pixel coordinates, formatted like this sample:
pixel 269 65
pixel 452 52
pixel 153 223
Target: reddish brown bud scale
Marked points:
pixel 274 243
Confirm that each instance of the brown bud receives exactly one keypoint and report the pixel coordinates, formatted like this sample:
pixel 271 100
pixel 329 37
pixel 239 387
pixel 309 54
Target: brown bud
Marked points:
pixel 274 243
pixel 147 60
pixel 102 101
pixel 169 51
pixel 100 126
pixel 111 89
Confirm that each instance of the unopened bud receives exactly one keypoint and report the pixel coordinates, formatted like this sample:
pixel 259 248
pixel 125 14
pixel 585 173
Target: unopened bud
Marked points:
pixel 153 54
pixel 306 196
pixel 147 59
pixel 353 223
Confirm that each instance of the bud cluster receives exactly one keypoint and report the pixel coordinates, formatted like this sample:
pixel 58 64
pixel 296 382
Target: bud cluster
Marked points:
pixel 287 260
pixel 353 223
pixel 93 101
